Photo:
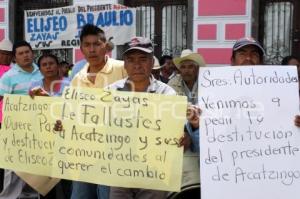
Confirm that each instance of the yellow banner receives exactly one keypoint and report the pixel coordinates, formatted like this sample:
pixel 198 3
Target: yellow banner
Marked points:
pixel 113 138
pixel 27 138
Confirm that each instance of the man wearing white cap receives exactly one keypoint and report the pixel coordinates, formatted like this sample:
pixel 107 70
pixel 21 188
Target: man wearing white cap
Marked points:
pixel 5 60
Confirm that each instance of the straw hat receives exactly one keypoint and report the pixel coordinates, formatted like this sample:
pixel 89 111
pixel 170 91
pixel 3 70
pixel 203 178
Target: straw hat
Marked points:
pixel 187 54
pixel 6 45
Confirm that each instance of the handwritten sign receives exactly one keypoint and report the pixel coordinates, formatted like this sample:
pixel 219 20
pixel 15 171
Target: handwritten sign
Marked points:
pixel 114 138
pixel 250 147
pixel 124 137
pixel 61 27
pixel 27 138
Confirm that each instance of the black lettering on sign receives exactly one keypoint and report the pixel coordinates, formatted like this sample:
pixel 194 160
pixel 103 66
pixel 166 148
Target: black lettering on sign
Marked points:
pixel 77 166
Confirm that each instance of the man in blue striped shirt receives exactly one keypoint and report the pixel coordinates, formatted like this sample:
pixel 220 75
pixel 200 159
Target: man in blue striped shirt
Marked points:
pixel 17 81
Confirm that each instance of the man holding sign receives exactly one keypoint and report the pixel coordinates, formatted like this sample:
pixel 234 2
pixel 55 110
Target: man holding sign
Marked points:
pixel 247 51
pixel 247 139
pixel 138 62
pixel 98 72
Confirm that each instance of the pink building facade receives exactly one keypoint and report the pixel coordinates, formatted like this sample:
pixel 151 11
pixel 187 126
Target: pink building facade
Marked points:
pixel 4 24
pixel 217 25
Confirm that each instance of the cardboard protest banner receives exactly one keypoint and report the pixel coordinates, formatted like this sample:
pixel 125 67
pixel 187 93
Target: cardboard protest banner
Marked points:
pixel 61 27
pixel 128 139
pixel 27 140
pixel 27 136
pixel 41 184
pixel 249 144
pixel 113 138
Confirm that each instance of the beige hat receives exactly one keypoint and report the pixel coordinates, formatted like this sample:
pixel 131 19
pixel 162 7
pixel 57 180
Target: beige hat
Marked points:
pixel 187 54
pixel 156 65
pixel 6 45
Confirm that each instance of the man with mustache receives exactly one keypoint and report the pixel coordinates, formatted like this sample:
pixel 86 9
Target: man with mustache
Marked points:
pixel 247 51
pixel 138 62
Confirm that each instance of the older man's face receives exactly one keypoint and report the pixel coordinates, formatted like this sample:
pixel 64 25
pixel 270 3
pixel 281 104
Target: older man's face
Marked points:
pixel 188 70
pixel 138 65
pixel 248 55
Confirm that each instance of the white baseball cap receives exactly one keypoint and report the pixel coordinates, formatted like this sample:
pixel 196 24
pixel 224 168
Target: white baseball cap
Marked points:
pixel 6 45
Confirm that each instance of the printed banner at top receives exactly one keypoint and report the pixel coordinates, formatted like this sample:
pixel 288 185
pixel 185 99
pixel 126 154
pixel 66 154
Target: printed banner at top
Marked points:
pixel 61 27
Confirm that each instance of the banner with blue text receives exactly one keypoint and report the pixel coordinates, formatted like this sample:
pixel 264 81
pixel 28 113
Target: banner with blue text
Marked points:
pixel 60 27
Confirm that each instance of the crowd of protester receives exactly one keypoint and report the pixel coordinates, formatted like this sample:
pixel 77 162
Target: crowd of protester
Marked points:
pixel 139 71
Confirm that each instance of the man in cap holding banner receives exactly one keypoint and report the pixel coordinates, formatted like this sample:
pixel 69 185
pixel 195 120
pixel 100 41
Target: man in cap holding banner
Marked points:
pixel 248 51
pixel 138 62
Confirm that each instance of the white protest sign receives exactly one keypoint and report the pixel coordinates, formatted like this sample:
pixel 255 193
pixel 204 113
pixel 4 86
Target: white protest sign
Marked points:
pixel 249 145
pixel 61 27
